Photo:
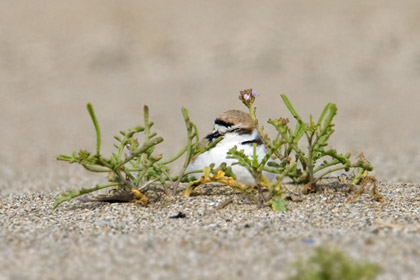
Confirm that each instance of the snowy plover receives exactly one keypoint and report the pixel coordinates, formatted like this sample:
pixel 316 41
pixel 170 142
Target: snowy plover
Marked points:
pixel 237 128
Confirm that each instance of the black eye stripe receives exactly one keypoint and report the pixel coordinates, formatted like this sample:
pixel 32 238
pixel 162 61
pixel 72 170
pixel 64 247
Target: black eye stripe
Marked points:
pixel 223 123
pixel 257 141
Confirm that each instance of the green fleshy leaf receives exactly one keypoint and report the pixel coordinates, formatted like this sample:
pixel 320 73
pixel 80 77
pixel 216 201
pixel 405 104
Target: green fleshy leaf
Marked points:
pixel 278 204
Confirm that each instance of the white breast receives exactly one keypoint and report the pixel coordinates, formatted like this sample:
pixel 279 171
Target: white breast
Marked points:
pixel 217 155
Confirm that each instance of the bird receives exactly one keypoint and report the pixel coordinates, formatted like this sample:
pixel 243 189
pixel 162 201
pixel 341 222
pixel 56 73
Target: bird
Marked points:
pixel 237 129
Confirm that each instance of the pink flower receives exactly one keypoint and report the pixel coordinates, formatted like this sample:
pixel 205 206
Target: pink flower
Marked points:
pixel 247 96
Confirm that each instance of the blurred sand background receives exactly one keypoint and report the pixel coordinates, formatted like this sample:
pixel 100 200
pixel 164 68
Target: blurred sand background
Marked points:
pixel 55 56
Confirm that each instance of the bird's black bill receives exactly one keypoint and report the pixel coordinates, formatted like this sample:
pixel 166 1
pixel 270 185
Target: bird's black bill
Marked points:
pixel 214 135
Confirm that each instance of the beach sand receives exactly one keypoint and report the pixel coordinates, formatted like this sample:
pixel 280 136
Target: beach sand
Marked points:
pixel 120 55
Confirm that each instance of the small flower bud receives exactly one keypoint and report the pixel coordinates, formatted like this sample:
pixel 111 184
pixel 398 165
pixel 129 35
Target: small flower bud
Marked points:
pixel 248 96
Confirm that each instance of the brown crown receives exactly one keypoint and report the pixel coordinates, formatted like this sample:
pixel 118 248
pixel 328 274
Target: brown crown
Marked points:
pixel 234 117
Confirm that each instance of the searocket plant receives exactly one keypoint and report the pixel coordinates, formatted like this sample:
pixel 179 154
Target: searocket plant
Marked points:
pixel 286 159
pixel 301 166
pixel 126 168
pixel 332 264
pixel 135 165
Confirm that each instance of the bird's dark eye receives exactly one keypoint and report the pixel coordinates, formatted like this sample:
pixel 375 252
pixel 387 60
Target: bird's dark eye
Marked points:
pixel 241 130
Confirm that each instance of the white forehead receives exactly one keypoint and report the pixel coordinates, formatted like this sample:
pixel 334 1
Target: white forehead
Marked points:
pixel 222 128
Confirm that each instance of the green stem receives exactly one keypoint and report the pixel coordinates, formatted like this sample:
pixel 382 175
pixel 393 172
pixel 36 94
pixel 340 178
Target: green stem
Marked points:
pixel 97 129
pixel 192 172
pixel 177 156
pixel 286 170
pixel 272 170
pixel 66 158
pixel 309 161
pixel 192 134
pixel 330 171
pixel 168 176
pixel 124 181
pixel 291 109
pixel 103 162
pixel 141 150
pixel 266 141
pixel 146 122
pixel 322 167
pixel 342 159
pixel 146 167
pixel 96 168
pixel 356 180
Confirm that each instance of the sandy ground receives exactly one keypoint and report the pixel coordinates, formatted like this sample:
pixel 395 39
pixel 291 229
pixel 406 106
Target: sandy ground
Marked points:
pixel 119 55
